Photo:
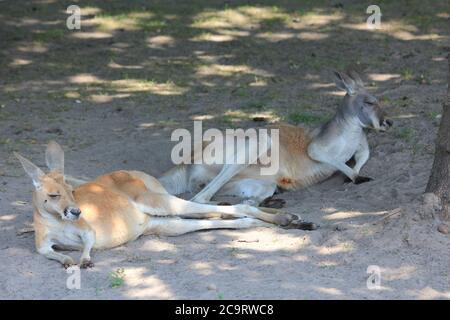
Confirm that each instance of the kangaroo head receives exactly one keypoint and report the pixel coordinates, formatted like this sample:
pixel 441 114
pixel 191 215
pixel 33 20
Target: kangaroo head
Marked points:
pixel 359 103
pixel 52 194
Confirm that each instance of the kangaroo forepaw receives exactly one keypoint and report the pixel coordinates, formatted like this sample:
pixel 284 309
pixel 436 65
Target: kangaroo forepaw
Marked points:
pixel 358 180
pixel 68 262
pixel 302 225
pixel 86 264
pixel 270 202
pixel 361 179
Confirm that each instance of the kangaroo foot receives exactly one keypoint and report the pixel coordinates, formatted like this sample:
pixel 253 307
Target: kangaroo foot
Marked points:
pixel 270 202
pixel 284 219
pixel 302 225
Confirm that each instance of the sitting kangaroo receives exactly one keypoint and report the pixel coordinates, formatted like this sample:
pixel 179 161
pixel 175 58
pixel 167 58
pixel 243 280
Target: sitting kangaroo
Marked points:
pixel 120 206
pixel 305 157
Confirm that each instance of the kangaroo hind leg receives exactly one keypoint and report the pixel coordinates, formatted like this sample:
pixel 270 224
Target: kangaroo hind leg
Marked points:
pixel 178 226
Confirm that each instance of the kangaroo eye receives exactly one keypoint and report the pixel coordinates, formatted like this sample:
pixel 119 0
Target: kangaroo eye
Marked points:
pixel 54 196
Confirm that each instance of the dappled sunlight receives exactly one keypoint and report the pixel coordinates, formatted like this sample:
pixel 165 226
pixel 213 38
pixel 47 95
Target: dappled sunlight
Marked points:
pixel 88 11
pixel 330 291
pixel 399 273
pixel 279 36
pixel 20 62
pixel 159 245
pixel 241 17
pixel 428 293
pixel 229 70
pixel 136 85
pixel 203 268
pixel 86 35
pixel 8 217
pixel 129 21
pixel 115 65
pixel 315 20
pixel 160 42
pixel 142 285
pixel 270 240
pixel 397 29
pixel 405 116
pixel 213 37
pixel 136 71
pixel 33 47
pixel 327 264
pixel 275 36
pixel 383 76
pixel 84 78
pixel 313 36
pixel 340 215
pixel 342 247
pixel 106 98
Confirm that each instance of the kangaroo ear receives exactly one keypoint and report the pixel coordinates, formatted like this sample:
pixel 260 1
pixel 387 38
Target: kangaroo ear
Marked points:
pixel 355 76
pixel 31 169
pixel 54 157
pixel 345 82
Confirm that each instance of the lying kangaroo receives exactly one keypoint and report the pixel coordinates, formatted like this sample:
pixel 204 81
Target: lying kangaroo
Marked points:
pixel 120 206
pixel 305 157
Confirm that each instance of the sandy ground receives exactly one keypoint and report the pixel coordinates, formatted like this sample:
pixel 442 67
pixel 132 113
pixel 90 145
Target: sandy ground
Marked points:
pixel 118 113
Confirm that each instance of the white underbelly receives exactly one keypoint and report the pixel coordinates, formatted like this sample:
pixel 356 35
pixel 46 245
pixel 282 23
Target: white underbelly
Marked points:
pixel 68 241
pixel 346 147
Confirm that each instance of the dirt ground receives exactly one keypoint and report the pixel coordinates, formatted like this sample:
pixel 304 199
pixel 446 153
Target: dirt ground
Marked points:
pixel 113 92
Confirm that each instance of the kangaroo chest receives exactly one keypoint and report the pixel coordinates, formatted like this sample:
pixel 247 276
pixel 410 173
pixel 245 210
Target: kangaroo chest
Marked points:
pixel 66 236
pixel 336 145
pixel 344 145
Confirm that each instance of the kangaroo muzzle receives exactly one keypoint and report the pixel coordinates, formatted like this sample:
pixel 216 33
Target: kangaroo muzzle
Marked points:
pixel 386 124
pixel 71 213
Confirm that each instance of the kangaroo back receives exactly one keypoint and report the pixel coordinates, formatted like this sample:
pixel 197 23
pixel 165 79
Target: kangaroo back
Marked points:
pixel 176 180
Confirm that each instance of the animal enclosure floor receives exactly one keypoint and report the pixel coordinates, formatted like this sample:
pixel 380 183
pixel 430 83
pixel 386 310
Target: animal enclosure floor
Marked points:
pixel 112 93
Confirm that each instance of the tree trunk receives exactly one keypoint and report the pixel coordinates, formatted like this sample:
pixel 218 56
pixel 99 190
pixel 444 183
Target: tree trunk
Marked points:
pixel 439 182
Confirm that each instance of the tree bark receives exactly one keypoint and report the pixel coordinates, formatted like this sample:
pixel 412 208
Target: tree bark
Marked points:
pixel 439 182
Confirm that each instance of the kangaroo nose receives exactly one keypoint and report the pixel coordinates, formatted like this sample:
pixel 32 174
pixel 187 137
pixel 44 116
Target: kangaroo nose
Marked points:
pixel 74 211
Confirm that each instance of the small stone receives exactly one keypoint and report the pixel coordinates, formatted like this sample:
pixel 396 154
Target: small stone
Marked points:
pixel 443 228
pixel 212 287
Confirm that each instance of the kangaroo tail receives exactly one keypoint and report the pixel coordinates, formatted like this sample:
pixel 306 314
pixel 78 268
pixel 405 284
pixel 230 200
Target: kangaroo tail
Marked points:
pixel 176 180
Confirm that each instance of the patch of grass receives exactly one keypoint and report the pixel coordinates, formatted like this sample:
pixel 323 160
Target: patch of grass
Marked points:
pixel 48 35
pixel 138 259
pixel 151 25
pixel 233 252
pixel 5 141
pixel 405 134
pixel 423 79
pixel 407 74
pixel 116 278
pixel 64 108
pixel 307 118
pixel 168 122
pixel 433 115
pixel 418 148
pixel 258 105
pixel 273 23
pixel 220 296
